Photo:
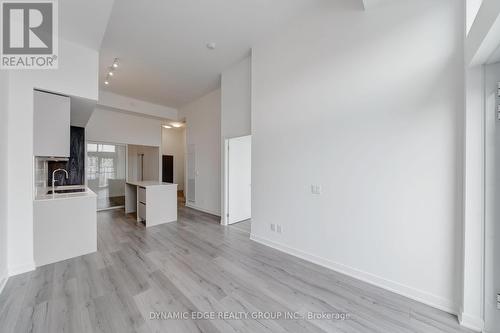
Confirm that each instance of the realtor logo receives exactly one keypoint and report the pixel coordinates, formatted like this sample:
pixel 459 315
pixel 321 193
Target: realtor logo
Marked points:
pixel 29 34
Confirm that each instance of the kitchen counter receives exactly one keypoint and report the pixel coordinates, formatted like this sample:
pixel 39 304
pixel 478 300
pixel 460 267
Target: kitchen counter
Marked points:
pixel 41 193
pixel 148 183
pixel 154 202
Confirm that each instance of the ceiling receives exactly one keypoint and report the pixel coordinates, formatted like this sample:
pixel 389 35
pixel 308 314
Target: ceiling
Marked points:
pixel 84 22
pixel 369 4
pixel 162 44
pixel 495 56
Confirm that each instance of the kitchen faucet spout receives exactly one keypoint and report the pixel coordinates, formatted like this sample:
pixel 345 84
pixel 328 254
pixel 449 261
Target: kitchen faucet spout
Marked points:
pixel 54 179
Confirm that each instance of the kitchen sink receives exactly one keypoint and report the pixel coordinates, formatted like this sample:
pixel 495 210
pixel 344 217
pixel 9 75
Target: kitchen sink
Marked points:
pixel 73 190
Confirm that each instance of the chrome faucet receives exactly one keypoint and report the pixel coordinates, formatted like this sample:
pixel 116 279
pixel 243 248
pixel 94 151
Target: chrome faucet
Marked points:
pixel 54 180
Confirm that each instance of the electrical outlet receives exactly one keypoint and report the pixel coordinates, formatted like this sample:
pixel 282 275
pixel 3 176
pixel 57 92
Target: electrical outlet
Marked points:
pixel 273 227
pixel 278 228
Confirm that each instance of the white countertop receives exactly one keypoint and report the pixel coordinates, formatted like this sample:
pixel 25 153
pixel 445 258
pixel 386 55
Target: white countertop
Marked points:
pixel 147 183
pixel 42 193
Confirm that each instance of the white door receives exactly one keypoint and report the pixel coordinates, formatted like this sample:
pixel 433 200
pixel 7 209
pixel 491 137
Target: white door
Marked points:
pixel 239 179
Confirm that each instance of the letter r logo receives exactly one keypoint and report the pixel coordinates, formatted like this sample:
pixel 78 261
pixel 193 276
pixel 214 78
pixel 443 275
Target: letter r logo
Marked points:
pixel 27 27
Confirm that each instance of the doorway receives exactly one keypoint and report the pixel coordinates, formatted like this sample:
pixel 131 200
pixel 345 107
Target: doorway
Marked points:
pixel 167 166
pixel 173 149
pixel 238 176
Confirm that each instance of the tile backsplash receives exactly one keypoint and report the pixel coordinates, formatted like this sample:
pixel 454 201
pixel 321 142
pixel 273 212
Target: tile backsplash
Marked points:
pixel 41 170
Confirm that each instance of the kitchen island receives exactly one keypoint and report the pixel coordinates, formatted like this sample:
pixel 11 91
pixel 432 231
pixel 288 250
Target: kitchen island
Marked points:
pixel 154 202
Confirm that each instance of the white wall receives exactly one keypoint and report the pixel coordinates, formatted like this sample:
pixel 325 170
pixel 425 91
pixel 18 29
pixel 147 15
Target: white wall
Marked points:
pixel 470 311
pixel 119 127
pixel 368 105
pixel 77 75
pixel 492 228
pixel 236 100
pixel 236 97
pixel 472 7
pixel 203 130
pixel 174 143
pixel 482 38
pixel 4 97
pixel 111 100
pixel 151 163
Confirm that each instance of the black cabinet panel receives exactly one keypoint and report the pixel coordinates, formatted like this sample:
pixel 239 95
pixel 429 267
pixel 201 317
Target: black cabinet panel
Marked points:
pixel 76 163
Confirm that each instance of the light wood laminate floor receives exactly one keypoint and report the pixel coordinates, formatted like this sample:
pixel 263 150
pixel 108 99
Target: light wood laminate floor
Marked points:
pixel 245 226
pixel 197 265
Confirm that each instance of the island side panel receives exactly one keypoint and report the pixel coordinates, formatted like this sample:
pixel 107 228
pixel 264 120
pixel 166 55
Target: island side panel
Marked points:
pixel 161 204
pixel 130 198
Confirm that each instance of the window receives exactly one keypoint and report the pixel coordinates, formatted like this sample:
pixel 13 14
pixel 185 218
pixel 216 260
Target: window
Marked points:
pixel 94 147
pixel 92 170
pixel 106 168
pixel 91 147
pixel 106 171
pixel 106 148
pixel 104 162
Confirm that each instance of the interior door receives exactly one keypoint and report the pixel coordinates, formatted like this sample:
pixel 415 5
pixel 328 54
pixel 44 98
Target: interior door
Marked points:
pixel 167 169
pixel 239 179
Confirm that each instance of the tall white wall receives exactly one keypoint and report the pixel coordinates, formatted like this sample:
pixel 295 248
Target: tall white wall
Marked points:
pixel 470 308
pixel 368 105
pixel 119 127
pixel 203 130
pixel 472 8
pixel 4 98
pixel 151 163
pixel 492 227
pixel 236 98
pixel 77 75
pixel 111 100
pixel 174 144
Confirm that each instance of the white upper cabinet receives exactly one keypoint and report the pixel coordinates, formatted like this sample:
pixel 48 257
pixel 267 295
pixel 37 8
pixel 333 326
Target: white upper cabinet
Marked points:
pixel 51 125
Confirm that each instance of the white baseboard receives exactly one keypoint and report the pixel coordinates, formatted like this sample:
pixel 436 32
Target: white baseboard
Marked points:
pixel 202 209
pixel 471 322
pixel 20 269
pixel 398 288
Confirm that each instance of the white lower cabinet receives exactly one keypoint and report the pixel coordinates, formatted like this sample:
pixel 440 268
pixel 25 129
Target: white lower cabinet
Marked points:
pixel 64 228
pixel 142 211
pixel 141 194
pixel 155 202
